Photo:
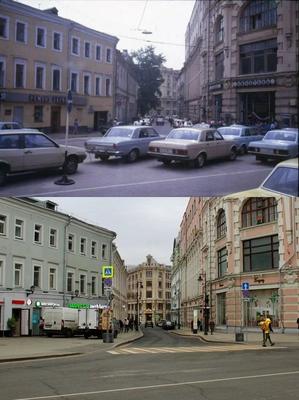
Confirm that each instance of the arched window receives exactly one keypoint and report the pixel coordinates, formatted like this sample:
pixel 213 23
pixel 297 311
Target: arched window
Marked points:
pixel 221 224
pixel 219 30
pixel 259 210
pixel 259 14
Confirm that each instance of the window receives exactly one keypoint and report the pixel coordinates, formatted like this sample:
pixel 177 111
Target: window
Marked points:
pixel 259 14
pixel 37 276
pixel 57 41
pixel 52 279
pixel 71 242
pixel 40 76
pixel 222 262
pixel 74 82
pixel 219 30
pixel 260 254
pixel 219 66
pixel 40 37
pixel 98 53
pixel 19 229
pixel 148 274
pixel 37 140
pixel 108 87
pixel 75 46
pixel 82 284
pixel 104 251
pixel 20 74
pixel 98 86
pixel 87 48
pixel 259 210
pixel 108 55
pixel 2 72
pixel 4 27
pixel 37 234
pixel 86 84
pixel 3 225
pixel 159 294
pixel 1 272
pixel 221 224
pixel 149 284
pixel 93 249
pixel 70 281
pixel 53 237
pixel 83 246
pixel 38 113
pixel 21 32
pixel 149 294
pixel 93 285
pixel 18 274
pixel 56 81
pixel 258 57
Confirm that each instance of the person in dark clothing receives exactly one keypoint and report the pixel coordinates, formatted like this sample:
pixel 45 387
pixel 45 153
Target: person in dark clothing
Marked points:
pixel 212 326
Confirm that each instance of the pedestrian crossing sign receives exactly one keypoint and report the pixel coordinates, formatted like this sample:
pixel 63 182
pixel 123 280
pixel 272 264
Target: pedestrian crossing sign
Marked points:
pixel 107 271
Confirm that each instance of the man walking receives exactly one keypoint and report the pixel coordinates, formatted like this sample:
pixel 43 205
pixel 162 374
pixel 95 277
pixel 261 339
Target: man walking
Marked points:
pixel 265 325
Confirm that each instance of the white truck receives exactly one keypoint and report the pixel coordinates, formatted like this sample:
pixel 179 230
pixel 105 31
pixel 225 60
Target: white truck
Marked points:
pixel 60 321
pixel 89 322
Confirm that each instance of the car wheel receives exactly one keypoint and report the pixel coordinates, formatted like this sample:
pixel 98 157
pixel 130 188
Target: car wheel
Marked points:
pixel 132 156
pixel 233 154
pixel 199 162
pixel 104 157
pixel 3 175
pixel 243 150
pixel 166 162
pixel 71 165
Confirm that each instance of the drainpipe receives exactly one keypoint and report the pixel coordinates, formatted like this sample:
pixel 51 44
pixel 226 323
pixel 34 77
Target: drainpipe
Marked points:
pixel 64 260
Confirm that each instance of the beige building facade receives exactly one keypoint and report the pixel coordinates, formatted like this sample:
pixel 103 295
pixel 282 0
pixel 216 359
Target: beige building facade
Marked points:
pixel 119 286
pixel 168 89
pixel 238 260
pixel 241 61
pixel 149 291
pixel 42 56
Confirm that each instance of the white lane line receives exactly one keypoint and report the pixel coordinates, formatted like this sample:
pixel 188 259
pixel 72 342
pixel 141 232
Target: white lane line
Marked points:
pixel 121 185
pixel 113 352
pixel 165 385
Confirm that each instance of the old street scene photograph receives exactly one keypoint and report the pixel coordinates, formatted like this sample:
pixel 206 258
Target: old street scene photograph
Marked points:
pixel 149 200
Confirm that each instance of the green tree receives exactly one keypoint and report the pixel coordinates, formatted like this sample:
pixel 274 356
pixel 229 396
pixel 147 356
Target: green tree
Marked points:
pixel 147 66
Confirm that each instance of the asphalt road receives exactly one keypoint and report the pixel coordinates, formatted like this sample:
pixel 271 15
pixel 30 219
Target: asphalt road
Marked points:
pixel 147 177
pixel 160 366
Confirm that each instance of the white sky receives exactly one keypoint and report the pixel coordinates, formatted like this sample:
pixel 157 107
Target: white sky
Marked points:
pixel 144 225
pixel 166 19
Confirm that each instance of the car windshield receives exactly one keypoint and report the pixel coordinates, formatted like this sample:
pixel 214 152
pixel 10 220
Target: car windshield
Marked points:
pixel 287 136
pixel 283 180
pixel 183 134
pixel 119 132
pixel 229 131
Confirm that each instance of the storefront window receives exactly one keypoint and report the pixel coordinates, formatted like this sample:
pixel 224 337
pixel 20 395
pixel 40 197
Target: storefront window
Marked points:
pixel 221 309
pixel 259 57
pixel 259 14
pixel 260 254
pixel 222 262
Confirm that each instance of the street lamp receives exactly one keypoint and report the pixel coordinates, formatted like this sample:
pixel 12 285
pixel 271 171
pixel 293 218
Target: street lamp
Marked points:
pixel 139 285
pixel 178 293
pixel 206 309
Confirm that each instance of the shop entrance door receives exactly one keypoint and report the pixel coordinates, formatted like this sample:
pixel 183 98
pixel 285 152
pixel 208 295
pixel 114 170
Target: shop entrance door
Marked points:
pixel 16 314
pixel 55 119
pixel 257 107
pixel 18 114
pixel 100 119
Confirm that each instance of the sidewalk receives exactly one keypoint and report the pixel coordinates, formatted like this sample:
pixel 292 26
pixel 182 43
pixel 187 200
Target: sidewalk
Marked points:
pixel 249 337
pixel 34 347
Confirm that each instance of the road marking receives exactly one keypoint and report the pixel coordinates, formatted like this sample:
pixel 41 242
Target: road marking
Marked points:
pixel 120 185
pixel 163 385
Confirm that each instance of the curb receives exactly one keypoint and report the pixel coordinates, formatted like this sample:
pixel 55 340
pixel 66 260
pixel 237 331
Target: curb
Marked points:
pixel 5 360
pixel 128 340
pixel 199 337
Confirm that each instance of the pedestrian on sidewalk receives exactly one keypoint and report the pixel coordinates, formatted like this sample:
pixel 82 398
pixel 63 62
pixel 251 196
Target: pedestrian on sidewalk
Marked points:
pixel 212 326
pixel 265 325
pixel 76 126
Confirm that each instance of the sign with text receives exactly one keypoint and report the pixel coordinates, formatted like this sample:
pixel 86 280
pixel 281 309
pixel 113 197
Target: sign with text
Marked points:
pixel 107 271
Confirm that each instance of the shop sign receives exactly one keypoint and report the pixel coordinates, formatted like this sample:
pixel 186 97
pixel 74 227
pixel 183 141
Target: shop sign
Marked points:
pixel 88 306
pixel 254 82
pixel 216 86
pixel 18 302
pixel 34 98
pixel 40 304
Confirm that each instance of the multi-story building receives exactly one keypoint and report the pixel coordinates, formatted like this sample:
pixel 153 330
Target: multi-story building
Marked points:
pixel 126 89
pixel 42 56
pixel 48 258
pixel 168 106
pixel 149 291
pixel 237 260
pixel 241 61
pixel 119 286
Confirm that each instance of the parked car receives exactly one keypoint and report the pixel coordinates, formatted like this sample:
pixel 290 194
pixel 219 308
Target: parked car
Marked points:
pixel 160 120
pixel 9 125
pixel 30 150
pixel 242 135
pixel 161 322
pixel 128 142
pixel 282 180
pixel 195 145
pixel 278 144
pixel 168 325
pixel 148 323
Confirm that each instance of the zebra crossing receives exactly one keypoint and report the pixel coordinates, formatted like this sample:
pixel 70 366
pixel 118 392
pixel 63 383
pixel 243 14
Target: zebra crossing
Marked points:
pixel 190 349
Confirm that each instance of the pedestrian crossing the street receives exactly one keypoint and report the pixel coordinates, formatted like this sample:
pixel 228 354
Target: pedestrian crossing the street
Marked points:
pixel 193 349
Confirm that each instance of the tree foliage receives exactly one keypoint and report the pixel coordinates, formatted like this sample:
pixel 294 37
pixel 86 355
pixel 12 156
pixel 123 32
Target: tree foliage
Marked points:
pixel 147 66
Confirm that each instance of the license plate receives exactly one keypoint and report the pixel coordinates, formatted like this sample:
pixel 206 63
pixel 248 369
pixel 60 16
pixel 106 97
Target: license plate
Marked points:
pixel 166 151
pixel 266 151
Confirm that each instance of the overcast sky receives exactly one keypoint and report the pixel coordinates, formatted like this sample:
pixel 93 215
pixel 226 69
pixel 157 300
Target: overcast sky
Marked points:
pixel 166 19
pixel 144 225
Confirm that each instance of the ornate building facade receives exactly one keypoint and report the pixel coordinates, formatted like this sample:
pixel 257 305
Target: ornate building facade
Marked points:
pixel 241 61
pixel 169 95
pixel 237 259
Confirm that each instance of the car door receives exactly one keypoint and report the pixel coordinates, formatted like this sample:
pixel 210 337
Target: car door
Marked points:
pixel 41 152
pixel 11 151
pixel 222 145
pixel 144 140
pixel 211 145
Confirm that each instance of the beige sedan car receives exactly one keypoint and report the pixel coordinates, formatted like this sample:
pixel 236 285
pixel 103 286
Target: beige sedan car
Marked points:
pixel 195 145
pixel 30 150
